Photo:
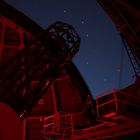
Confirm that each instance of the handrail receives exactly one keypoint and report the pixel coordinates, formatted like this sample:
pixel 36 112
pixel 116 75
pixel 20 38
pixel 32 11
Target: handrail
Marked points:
pixel 106 93
pixel 116 99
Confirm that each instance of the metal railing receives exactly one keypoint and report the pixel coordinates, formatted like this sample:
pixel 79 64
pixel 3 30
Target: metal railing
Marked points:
pixel 115 99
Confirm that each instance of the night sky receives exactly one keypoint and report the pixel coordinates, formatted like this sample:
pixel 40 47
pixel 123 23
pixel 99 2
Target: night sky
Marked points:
pixel 102 61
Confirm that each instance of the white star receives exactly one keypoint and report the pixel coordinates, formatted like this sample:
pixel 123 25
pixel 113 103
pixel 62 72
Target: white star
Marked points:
pixel 87 35
pixel 83 22
pixel 65 11
pixel 118 70
pixel 87 63
pixel 105 79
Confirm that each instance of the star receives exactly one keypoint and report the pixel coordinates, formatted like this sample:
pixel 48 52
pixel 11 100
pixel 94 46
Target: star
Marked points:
pixel 65 11
pixel 87 35
pixel 105 80
pixel 83 22
pixel 87 63
pixel 118 70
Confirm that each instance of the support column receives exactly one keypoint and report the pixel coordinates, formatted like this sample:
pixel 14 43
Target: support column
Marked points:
pixel 56 98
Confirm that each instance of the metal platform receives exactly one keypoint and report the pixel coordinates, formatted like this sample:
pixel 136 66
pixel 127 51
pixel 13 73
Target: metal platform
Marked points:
pixel 113 121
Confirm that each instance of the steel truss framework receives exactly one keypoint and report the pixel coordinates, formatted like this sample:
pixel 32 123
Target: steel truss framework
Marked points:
pixel 27 76
pixel 125 14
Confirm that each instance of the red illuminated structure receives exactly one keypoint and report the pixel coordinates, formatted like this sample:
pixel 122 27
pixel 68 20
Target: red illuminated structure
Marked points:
pixel 41 84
